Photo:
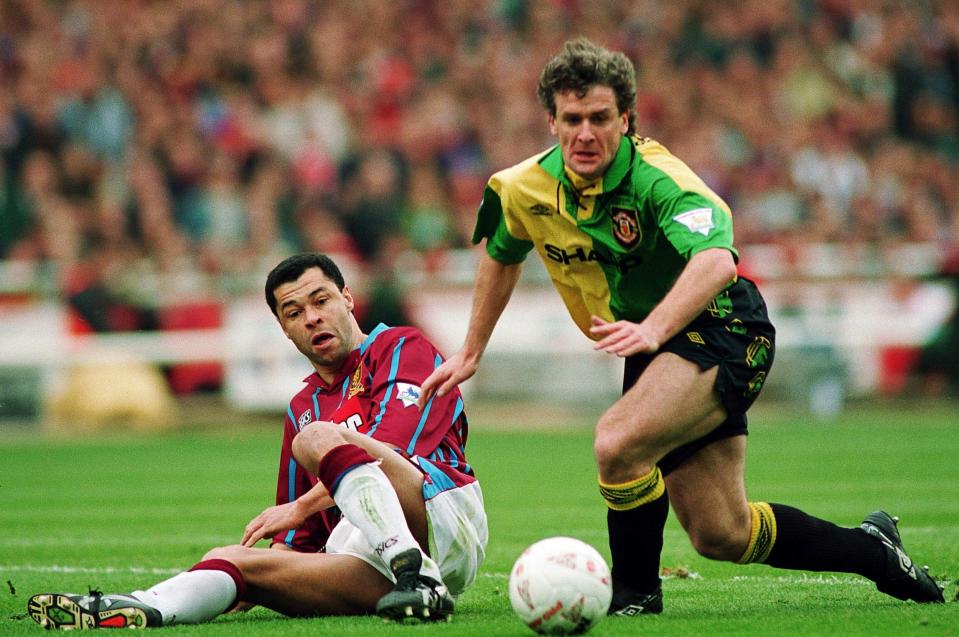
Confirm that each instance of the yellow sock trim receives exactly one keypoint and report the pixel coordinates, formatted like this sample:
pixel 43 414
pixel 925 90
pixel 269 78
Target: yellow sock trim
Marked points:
pixel 763 535
pixel 629 495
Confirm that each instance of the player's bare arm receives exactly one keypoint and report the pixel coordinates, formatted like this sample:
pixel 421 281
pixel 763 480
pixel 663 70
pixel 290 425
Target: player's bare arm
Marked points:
pixel 290 515
pixel 705 276
pixel 494 286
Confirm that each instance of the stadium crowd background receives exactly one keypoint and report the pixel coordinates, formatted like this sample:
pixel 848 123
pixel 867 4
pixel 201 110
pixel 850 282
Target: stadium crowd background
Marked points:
pixel 157 150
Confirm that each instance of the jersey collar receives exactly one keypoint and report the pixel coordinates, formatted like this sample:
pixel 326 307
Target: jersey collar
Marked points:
pixel 352 360
pixel 349 365
pixel 552 163
pixel 365 345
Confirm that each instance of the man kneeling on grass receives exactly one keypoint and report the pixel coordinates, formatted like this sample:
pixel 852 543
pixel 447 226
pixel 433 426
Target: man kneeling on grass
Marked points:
pixel 377 508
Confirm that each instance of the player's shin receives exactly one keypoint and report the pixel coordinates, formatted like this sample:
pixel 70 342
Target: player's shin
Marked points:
pixel 368 500
pixel 637 514
pixel 210 588
pixel 785 537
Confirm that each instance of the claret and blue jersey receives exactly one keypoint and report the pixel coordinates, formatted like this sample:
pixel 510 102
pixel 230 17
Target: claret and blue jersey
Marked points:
pixel 375 394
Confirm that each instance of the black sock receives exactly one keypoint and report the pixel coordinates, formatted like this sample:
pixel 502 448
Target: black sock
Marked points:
pixel 810 544
pixel 635 542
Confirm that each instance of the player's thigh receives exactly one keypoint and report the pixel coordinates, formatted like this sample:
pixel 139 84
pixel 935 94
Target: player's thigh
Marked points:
pixel 708 495
pixel 673 402
pixel 307 583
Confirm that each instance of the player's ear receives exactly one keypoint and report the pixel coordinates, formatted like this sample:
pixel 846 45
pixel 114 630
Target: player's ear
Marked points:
pixel 624 122
pixel 349 298
pixel 551 120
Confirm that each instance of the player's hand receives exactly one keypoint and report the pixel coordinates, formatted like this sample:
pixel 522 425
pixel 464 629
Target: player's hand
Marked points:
pixel 456 369
pixel 623 338
pixel 274 519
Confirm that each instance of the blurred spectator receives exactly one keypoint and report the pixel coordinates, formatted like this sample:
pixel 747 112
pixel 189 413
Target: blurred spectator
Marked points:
pixel 938 364
pixel 199 139
pixel 385 300
pixel 319 230
pixel 427 221
pixel 373 200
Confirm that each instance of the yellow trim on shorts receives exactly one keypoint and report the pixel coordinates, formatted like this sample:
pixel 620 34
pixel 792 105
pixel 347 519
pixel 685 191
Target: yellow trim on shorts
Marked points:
pixel 629 495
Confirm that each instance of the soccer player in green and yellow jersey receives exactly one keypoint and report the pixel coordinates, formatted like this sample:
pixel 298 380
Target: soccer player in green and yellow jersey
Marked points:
pixel 641 252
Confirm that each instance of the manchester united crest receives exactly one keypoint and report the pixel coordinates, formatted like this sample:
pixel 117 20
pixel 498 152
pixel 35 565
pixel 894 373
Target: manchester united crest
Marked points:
pixel 626 227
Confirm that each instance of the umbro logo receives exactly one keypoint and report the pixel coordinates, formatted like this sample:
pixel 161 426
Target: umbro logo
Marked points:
pixel 905 563
pixel 540 210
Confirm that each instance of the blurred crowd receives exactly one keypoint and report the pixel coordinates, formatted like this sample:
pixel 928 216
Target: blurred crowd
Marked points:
pixel 149 145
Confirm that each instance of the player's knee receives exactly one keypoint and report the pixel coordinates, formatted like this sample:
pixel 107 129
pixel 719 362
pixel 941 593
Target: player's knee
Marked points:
pixel 229 553
pixel 313 441
pixel 717 543
pixel 619 457
pixel 608 454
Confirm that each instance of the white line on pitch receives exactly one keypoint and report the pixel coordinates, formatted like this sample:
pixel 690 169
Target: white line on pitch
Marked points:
pixel 825 580
pixel 95 570
pixel 800 578
pixel 26 542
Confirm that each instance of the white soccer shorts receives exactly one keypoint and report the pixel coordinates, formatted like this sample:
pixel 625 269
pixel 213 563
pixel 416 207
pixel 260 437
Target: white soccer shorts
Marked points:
pixel 458 537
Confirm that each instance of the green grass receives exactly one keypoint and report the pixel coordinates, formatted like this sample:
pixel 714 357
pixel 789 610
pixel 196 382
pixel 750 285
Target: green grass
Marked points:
pixel 122 513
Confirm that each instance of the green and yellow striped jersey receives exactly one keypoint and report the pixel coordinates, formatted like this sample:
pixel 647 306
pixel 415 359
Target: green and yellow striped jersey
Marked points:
pixel 613 246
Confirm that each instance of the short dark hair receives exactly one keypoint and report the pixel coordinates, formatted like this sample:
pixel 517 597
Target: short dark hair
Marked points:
pixel 582 65
pixel 291 268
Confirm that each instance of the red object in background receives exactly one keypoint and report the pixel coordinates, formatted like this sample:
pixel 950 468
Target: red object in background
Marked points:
pixel 187 378
pixel 76 324
pixel 745 269
pixel 896 362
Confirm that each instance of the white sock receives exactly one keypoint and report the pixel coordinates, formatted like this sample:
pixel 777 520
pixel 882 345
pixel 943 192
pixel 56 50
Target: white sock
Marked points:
pixel 368 500
pixel 191 597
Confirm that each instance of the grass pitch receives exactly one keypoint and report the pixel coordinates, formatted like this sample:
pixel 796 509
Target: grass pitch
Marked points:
pixel 124 512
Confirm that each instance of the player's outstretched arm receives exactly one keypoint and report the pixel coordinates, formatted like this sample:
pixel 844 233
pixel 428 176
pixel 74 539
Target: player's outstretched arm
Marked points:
pixel 705 276
pixel 623 338
pixel 494 286
pixel 454 370
pixel 290 515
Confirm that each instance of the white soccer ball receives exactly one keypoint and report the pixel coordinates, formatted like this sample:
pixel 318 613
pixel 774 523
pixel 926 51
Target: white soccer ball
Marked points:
pixel 560 586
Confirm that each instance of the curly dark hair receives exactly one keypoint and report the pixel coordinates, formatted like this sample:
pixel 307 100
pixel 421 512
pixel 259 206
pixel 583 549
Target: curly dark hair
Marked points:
pixel 292 267
pixel 582 65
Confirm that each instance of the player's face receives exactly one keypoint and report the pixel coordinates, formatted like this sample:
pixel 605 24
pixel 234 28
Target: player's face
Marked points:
pixel 318 318
pixel 589 129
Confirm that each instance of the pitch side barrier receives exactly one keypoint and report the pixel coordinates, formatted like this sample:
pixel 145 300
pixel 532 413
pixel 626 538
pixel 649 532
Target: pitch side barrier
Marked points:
pixel 846 326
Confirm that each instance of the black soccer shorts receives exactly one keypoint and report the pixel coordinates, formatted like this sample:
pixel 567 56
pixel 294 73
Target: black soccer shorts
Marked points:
pixel 733 333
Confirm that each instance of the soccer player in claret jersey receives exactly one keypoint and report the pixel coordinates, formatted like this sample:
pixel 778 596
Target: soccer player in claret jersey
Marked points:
pixel 641 252
pixel 377 508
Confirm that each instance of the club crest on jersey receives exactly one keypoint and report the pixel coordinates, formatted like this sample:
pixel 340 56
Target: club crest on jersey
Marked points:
pixel 356 383
pixel 305 418
pixel 407 393
pixel 699 220
pixel 626 227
